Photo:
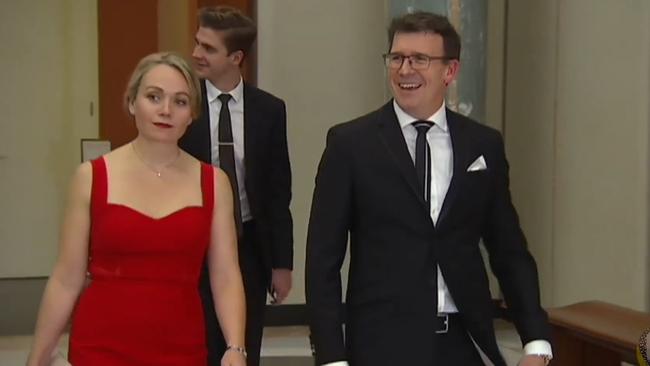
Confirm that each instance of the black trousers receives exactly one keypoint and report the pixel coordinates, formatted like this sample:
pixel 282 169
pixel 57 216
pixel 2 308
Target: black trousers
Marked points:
pixel 455 347
pixel 256 280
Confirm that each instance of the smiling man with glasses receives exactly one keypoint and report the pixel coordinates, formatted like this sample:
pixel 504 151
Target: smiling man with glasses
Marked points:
pixel 415 187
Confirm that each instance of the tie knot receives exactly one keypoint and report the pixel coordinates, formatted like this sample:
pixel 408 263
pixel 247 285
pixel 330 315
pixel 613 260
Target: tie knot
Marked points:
pixel 224 98
pixel 422 126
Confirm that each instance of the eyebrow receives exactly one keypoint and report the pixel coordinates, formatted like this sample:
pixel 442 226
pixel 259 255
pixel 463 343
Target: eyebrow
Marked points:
pixel 159 89
pixel 412 54
pixel 203 44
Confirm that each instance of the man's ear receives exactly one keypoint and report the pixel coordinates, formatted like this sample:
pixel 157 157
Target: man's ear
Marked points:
pixel 452 71
pixel 237 57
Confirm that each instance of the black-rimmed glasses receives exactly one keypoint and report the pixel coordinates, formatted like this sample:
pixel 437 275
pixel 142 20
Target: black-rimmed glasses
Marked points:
pixel 417 61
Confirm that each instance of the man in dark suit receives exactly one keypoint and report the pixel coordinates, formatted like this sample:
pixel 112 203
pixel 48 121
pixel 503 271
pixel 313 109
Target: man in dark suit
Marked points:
pixel 242 129
pixel 416 186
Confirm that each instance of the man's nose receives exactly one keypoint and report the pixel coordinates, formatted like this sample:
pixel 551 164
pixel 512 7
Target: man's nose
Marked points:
pixel 196 52
pixel 405 67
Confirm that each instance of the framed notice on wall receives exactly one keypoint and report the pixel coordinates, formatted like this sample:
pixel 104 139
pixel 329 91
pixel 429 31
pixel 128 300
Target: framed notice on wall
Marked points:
pixel 94 148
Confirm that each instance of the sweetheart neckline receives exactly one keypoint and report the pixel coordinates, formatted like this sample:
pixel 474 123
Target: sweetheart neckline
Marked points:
pixel 172 213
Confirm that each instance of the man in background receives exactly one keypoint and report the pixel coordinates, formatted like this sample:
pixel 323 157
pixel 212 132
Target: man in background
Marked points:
pixel 242 129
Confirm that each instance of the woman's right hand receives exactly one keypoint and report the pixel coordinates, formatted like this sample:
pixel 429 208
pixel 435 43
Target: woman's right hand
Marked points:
pixel 233 358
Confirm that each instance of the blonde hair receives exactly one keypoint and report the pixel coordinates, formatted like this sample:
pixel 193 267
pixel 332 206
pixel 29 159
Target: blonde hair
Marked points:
pixel 170 59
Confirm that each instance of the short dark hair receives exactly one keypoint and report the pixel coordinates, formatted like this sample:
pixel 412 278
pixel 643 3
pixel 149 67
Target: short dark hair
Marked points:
pixel 239 30
pixel 425 22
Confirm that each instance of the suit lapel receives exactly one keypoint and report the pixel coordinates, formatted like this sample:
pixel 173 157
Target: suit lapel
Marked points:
pixel 391 135
pixel 460 147
pixel 201 136
pixel 251 114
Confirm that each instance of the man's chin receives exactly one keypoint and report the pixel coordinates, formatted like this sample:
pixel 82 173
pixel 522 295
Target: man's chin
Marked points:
pixel 201 71
pixel 201 75
pixel 406 102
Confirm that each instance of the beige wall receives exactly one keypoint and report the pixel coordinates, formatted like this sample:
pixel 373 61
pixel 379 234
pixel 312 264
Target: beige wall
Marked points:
pixel 324 59
pixel 49 73
pixel 529 124
pixel 576 127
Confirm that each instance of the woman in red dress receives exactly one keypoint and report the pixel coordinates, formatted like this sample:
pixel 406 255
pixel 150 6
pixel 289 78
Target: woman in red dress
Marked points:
pixel 140 223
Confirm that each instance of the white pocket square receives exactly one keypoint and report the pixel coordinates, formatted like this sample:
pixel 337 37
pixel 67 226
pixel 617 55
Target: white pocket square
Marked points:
pixel 478 164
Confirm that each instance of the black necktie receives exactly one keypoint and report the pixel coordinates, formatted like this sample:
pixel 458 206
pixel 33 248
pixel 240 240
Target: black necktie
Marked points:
pixel 227 156
pixel 423 160
pixel 423 169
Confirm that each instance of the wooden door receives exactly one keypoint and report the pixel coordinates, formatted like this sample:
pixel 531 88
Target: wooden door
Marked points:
pixel 129 30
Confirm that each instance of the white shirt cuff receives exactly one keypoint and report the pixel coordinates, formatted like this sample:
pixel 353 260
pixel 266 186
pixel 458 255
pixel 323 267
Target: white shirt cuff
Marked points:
pixel 337 363
pixel 538 347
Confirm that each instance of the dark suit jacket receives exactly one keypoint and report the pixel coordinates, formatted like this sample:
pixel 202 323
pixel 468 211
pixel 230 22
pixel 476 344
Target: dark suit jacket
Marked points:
pixel 367 186
pixel 268 173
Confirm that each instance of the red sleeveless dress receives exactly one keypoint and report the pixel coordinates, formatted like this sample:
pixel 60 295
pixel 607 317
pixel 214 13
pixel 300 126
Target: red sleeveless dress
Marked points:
pixel 142 306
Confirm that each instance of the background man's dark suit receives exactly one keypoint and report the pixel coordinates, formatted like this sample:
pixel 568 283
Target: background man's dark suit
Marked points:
pixel 367 185
pixel 267 241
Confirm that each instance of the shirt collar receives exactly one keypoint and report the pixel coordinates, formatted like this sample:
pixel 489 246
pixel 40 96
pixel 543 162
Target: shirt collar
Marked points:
pixel 439 118
pixel 213 92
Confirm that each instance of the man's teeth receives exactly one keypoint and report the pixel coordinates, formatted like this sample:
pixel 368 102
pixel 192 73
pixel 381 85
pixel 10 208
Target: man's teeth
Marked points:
pixel 409 86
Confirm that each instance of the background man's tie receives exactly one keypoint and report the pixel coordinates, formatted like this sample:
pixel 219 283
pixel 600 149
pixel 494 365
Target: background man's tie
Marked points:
pixel 227 157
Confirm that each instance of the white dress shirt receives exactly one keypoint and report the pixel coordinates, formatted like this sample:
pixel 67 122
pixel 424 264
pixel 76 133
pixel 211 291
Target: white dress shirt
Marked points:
pixel 236 107
pixel 442 168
